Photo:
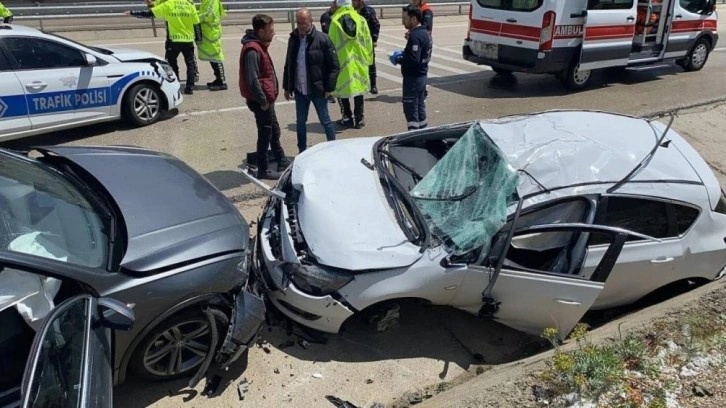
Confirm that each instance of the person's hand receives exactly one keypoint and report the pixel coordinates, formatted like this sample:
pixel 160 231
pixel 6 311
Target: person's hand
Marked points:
pixel 288 95
pixel 408 34
pixel 327 94
pixel 149 3
pixel 266 106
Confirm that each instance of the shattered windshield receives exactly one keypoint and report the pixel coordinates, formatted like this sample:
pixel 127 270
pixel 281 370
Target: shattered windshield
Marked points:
pixel 465 196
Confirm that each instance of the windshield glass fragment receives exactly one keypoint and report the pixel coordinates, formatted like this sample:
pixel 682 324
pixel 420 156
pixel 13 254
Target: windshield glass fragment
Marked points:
pixel 465 196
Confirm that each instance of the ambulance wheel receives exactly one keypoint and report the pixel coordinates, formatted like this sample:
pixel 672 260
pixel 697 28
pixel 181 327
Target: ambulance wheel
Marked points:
pixel 502 71
pixel 142 104
pixel 575 79
pixel 697 57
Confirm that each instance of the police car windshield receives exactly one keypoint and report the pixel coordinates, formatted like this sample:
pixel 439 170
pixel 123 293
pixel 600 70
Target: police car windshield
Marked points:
pixel 43 213
pixel 97 49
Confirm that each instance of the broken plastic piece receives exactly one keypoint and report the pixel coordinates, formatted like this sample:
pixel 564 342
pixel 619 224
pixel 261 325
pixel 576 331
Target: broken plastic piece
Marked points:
pixel 317 375
pixel 339 403
pixel 242 388
pixel 465 196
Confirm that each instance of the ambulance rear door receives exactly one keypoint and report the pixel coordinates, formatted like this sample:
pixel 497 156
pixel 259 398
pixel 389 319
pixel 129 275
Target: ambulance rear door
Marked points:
pixel 609 32
pixel 507 31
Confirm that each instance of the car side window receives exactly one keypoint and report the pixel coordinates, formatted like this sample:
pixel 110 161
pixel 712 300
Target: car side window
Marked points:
pixel 647 217
pixel 4 63
pixel 685 217
pixel 696 6
pixel 36 53
pixel 610 4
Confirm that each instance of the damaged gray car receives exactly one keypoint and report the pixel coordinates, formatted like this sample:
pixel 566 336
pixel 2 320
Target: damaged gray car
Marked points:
pixel 129 226
pixel 529 220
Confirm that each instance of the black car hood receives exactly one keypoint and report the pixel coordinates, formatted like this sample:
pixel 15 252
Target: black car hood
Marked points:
pixel 171 213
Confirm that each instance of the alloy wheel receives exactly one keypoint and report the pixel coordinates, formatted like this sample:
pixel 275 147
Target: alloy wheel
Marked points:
pixel 178 349
pixel 146 104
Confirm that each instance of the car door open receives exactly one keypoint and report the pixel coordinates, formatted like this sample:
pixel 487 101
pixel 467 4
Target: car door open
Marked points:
pixel 538 285
pixel 70 360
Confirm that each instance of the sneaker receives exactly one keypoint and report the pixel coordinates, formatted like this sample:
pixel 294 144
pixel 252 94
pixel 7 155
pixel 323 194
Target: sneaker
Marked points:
pixel 218 87
pixel 269 175
pixel 374 90
pixel 189 91
pixel 346 122
pixel 360 123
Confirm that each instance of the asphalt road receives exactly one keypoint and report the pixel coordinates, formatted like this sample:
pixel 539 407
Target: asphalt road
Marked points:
pixel 214 131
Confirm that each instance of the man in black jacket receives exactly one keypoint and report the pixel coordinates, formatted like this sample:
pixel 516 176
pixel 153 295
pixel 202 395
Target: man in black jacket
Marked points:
pixel 414 68
pixel 374 26
pixel 311 73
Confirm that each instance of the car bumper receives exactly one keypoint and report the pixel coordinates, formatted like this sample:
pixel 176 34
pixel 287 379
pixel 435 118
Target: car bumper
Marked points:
pixel 323 313
pixel 173 94
pixel 526 60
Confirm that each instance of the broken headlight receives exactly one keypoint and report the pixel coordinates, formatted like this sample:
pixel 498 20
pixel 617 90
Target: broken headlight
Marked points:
pixel 316 280
pixel 168 71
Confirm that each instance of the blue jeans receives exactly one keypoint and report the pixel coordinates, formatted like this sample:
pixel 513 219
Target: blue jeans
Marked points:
pixel 302 108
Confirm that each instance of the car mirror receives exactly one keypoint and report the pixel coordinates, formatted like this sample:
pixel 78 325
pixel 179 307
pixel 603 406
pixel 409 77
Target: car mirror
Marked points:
pixel 115 315
pixel 90 60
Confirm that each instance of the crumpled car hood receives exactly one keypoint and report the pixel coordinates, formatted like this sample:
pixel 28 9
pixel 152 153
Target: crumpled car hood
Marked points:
pixel 129 54
pixel 171 213
pixel 342 211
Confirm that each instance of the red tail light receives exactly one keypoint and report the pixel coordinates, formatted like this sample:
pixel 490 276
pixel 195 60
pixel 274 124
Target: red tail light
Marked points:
pixel 548 31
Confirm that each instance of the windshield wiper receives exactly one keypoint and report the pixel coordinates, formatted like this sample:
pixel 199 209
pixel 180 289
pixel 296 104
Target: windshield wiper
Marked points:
pixel 646 159
pixel 416 177
pixel 467 192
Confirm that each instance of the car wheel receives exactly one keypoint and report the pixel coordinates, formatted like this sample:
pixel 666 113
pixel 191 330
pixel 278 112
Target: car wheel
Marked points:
pixel 502 71
pixel 143 104
pixel 574 78
pixel 698 56
pixel 384 317
pixel 175 348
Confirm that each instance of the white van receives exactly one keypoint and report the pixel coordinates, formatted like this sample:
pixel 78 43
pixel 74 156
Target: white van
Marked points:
pixel 571 38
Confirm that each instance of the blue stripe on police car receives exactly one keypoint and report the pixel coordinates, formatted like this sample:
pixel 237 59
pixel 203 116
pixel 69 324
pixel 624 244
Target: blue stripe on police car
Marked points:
pixel 61 101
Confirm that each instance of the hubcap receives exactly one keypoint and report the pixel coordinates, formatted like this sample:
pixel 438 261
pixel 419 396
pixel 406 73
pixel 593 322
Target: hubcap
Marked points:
pixel 146 104
pixel 179 349
pixel 580 77
pixel 699 56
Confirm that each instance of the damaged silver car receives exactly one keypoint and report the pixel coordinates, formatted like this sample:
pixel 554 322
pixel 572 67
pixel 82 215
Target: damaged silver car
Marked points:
pixel 530 220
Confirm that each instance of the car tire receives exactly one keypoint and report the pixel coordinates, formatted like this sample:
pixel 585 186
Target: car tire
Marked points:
pixel 186 332
pixel 697 56
pixel 502 71
pixel 143 104
pixel 574 79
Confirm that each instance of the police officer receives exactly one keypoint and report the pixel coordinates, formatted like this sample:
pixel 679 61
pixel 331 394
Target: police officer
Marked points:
pixel 414 68
pixel 352 40
pixel 181 19
pixel 210 48
pixel 374 26
pixel 5 14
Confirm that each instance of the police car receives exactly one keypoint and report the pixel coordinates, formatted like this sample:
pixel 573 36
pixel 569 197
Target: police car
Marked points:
pixel 50 83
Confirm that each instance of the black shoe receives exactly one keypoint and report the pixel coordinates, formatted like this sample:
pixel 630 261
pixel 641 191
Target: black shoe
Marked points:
pixel 360 123
pixel 346 122
pixel 189 91
pixel 218 87
pixel 374 90
pixel 283 164
pixel 269 175
pixel 331 99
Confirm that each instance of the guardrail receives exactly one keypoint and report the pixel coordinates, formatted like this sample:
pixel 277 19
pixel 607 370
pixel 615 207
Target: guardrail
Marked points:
pixel 41 13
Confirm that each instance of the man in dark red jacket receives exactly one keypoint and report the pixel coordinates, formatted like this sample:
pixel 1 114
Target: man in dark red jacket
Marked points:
pixel 258 85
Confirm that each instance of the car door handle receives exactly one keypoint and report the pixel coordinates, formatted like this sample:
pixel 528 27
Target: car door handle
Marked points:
pixel 568 302
pixel 36 86
pixel 661 259
pixel 511 20
pixel 630 18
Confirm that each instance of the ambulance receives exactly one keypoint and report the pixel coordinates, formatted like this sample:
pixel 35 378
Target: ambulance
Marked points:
pixel 573 38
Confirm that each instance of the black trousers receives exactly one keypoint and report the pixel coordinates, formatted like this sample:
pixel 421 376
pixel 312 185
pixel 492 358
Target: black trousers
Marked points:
pixel 218 69
pixel 268 135
pixel 372 71
pixel 173 50
pixel 358 106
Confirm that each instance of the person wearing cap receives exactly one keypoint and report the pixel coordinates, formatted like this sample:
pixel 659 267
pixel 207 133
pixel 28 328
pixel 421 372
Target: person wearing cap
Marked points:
pixel 352 40
pixel 414 68
pixel 5 14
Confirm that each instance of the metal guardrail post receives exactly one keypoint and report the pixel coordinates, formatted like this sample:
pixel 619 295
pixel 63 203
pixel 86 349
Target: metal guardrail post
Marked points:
pixel 291 19
pixel 153 26
pixel 40 20
pixel 383 17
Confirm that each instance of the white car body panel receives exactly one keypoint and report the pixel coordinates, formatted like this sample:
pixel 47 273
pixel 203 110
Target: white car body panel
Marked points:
pixel 343 215
pixel 61 98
